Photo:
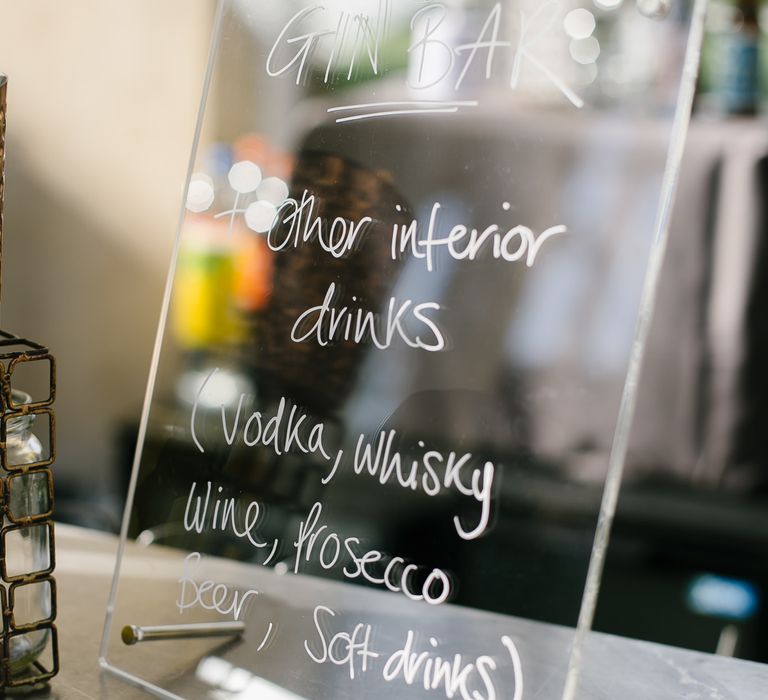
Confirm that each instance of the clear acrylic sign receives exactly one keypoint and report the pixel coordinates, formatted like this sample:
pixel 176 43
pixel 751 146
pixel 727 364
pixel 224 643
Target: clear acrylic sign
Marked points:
pixel 395 373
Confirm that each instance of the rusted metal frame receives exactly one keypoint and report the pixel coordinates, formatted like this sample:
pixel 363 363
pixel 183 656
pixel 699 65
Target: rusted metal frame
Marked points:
pixel 14 352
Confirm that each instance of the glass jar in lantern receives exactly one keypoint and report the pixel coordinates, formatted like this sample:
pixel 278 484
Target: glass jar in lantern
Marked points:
pixel 28 499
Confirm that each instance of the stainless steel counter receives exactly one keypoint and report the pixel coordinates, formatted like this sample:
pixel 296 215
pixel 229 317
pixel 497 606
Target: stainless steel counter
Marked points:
pixel 616 669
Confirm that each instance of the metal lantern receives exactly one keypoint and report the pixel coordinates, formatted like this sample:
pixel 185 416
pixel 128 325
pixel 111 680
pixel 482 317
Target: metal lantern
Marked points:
pixel 27 552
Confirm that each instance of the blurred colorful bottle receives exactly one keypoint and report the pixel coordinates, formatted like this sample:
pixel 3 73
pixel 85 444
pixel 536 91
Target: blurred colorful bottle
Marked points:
pixel 203 312
pixel 735 56
pixel 252 273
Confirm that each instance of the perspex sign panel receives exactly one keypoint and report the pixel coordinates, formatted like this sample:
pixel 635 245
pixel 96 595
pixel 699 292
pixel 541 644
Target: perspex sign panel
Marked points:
pixel 397 360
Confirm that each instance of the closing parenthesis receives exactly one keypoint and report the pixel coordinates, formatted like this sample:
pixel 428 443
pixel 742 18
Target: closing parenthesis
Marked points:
pixel 516 665
pixel 194 409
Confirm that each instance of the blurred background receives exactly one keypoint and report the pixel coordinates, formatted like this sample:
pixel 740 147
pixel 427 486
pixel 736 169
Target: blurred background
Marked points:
pixel 102 103
pixel 102 108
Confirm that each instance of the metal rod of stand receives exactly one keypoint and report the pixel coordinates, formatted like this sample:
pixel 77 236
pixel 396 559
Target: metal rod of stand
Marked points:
pixel 3 93
pixel 133 634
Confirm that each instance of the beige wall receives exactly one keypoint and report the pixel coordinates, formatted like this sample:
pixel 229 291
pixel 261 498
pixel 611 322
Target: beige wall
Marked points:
pixel 102 102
